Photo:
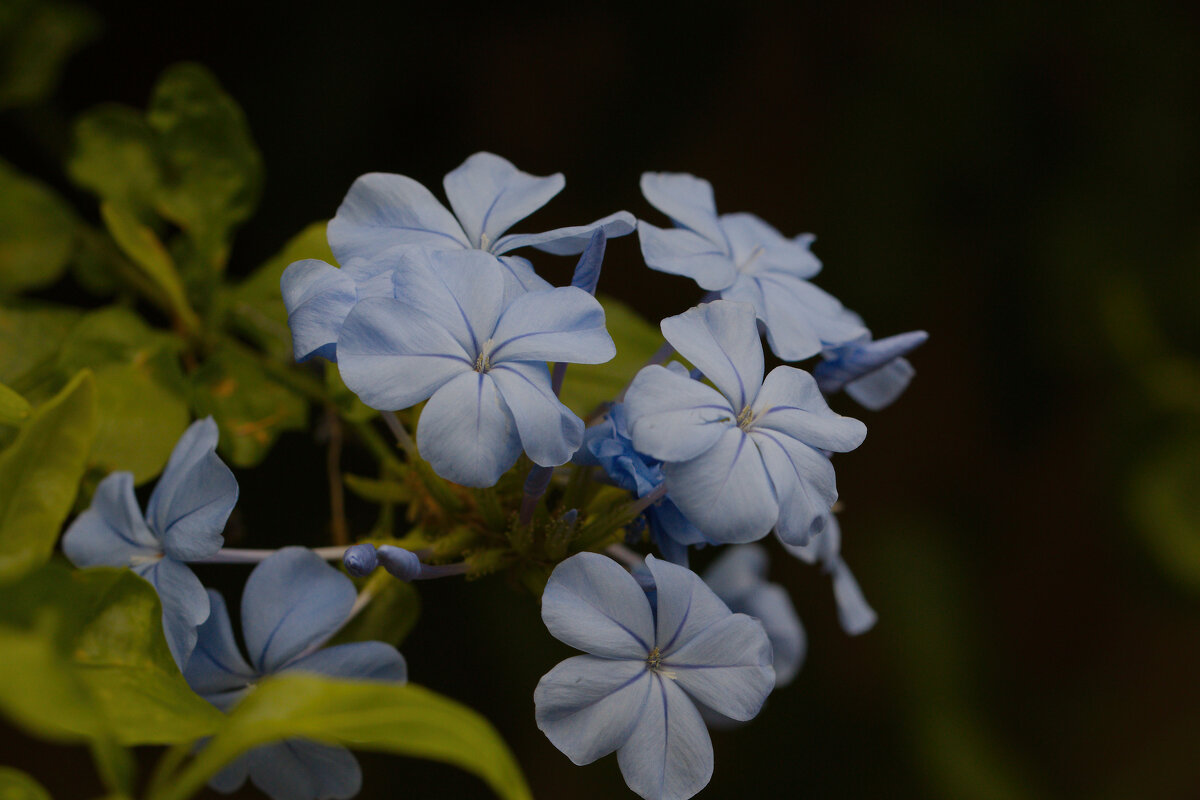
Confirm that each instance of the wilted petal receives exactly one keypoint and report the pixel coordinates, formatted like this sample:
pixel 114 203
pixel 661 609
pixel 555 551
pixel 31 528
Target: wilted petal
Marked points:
pixel 588 706
pixel 727 666
pixel 681 252
pixel 593 604
pixel 669 754
pixel 854 613
pixel 318 297
pixel 489 194
pixel 550 432
pixel 184 604
pixel 674 418
pixel 688 201
pixel 194 497
pixel 383 210
pixel 393 356
pixel 216 665
pixel 111 533
pixel 757 246
pixel 804 483
pixel 571 240
pixel 791 403
pixel 292 601
pixel 879 389
pixel 365 661
pixel 563 324
pixel 297 769
pixel 721 340
pixel 467 432
pixel 845 364
pixel 726 491
pixel 461 290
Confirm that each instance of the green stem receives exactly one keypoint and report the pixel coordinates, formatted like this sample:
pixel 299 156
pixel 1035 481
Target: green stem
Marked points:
pixel 168 764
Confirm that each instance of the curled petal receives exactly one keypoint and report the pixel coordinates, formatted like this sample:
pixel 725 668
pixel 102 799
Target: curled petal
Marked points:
pixel 568 241
pixel 588 706
pixel 382 211
pixel 467 432
pixel 682 252
pixel 688 201
pixel 184 604
pixel 790 403
pixel 488 195
pixel 194 497
pixel 674 418
pixel 318 297
pixel 111 533
pixel 593 604
pixel 854 613
pixel 550 432
pixel 721 340
pixel 669 755
pixel 563 324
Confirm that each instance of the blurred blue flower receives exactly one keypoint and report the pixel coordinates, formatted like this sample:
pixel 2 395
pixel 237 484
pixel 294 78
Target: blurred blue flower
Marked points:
pixel 292 604
pixel 454 335
pixel 747 456
pixel 647 667
pixel 740 257
pixel 184 520
pixel 873 372
pixel 825 548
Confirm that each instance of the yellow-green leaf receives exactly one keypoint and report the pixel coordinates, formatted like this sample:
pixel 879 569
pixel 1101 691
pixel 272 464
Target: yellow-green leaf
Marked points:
pixel 16 785
pixel 13 408
pixel 143 247
pixel 37 233
pixel 588 385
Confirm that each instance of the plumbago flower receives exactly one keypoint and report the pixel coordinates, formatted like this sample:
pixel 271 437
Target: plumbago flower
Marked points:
pixel 184 521
pixel 292 604
pixel 608 445
pixel 745 457
pixel 454 335
pixel 647 666
pixel 825 548
pixel 740 257
pixel 873 372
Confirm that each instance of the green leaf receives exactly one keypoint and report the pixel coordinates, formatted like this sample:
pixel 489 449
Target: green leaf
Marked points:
pixel 1164 507
pixel 250 408
pixel 37 233
pixel 588 385
pixel 389 617
pixel 30 338
pixel 36 39
pixel 38 689
pixel 116 156
pixel 256 304
pixel 13 408
pixel 16 785
pixel 408 720
pixel 40 473
pixel 143 247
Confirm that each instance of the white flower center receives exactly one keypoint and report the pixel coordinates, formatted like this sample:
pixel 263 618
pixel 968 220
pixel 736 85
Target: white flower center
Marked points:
pixel 483 362
pixel 747 418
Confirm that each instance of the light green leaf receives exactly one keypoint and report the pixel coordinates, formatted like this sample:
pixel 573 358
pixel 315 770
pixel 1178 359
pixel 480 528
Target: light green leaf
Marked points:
pixel 113 335
pixel 40 473
pixel 588 385
pixel 140 421
pixel 13 408
pixel 37 233
pixel 39 690
pixel 16 785
pixel 388 617
pixel 250 408
pixel 116 156
pixel 408 720
pixel 36 39
pixel 143 247
pixel 30 338
pixel 256 304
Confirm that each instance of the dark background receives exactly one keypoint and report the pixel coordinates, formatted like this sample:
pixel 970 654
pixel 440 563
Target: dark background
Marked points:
pixel 1019 181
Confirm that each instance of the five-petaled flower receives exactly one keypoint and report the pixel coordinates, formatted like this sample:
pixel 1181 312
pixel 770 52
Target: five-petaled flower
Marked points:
pixel 740 257
pixel 292 604
pixel 184 521
pixel 647 667
pixel 745 457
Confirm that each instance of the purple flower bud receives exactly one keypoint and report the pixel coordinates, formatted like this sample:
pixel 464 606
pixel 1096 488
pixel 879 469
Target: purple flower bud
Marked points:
pixel 360 560
pixel 401 563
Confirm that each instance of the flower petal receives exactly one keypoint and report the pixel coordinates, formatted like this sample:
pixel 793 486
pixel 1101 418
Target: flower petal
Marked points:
pixel 297 769
pixel 674 418
pixel 520 277
pixel 801 318
pixel 791 403
pixel 669 755
pixel 383 210
pixel 194 497
pixel 216 665
pixel 727 666
pixel 804 483
pixel 726 491
pixel 111 533
pixel 366 661
pixel 467 432
pixel 292 601
pixel 879 389
pixel 771 605
pixel 686 606
pixel 231 778
pixel 184 604
pixel 318 297
pixel 737 573
pixel 681 252
pixel 393 356
pixel 563 324
pixel 854 613
pixel 593 604
pixel 721 339
pixel 588 706
pixel 461 290
pixel 568 241
pixel 688 201
pixel 757 246
pixel 489 194
pixel 550 432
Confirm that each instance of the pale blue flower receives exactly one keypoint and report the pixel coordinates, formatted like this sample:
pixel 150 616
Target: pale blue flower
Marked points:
pixel 184 521
pixel 292 604
pixel 647 667
pixel 873 372
pixel 740 257
pixel 825 548
pixel 747 456
pixel 454 335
